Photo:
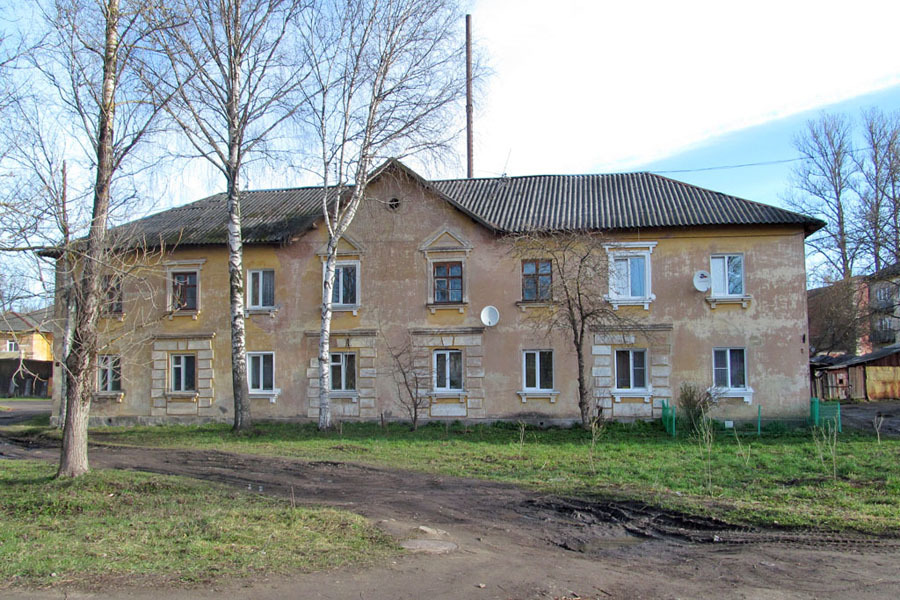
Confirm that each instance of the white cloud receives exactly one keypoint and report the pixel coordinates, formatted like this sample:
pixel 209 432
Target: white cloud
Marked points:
pixel 588 86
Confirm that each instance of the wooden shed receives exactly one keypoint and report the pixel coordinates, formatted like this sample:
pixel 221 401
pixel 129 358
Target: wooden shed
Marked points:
pixel 870 377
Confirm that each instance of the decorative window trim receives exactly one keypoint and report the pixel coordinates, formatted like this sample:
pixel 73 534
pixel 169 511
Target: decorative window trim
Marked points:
pixel 184 266
pixel 646 392
pixel 354 308
pixel 437 254
pixel 745 393
pixel 447 392
pixel 616 250
pixel 260 308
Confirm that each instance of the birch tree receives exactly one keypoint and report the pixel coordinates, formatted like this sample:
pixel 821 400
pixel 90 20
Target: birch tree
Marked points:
pixel 233 86
pixel 94 65
pixel 386 78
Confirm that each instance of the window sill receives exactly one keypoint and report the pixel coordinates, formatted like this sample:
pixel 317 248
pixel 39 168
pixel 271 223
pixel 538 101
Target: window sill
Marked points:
pixel 742 300
pixel 745 394
pixel 184 313
pixel 354 308
pixel 460 306
pixel 110 396
pixel 617 302
pixel 261 310
pixel 526 394
pixel 182 396
pixel 526 304
pixel 646 394
pixel 350 395
pixel 445 394
pixel 270 395
pixel 111 316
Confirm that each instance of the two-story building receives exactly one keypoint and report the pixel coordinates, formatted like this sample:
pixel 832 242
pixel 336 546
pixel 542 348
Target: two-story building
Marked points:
pixel 716 286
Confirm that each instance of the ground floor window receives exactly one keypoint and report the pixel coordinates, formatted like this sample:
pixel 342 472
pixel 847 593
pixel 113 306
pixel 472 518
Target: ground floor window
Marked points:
pixel 730 368
pixel 447 371
pixel 537 370
pixel 262 371
pixel 183 372
pixel 12 346
pixel 631 369
pixel 343 371
pixel 109 373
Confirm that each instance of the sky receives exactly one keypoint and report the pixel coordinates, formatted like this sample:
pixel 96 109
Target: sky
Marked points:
pixel 588 87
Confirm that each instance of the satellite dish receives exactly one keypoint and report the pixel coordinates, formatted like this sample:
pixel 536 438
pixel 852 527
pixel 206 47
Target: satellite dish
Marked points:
pixel 701 281
pixel 490 316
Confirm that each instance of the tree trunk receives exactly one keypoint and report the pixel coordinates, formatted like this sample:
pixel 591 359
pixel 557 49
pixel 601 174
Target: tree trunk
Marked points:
pixel 239 384
pixel 73 455
pixel 584 403
pixel 325 337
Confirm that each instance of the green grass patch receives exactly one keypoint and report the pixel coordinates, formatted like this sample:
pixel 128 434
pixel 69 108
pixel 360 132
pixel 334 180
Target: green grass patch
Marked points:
pixel 110 526
pixel 776 479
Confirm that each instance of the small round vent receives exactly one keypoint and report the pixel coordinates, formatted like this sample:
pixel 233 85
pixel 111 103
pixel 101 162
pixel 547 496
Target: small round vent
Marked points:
pixel 393 203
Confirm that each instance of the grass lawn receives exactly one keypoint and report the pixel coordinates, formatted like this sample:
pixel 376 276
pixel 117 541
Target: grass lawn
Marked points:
pixel 110 526
pixel 784 479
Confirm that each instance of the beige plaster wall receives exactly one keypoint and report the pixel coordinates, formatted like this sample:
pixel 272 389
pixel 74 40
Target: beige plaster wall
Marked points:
pixel 394 291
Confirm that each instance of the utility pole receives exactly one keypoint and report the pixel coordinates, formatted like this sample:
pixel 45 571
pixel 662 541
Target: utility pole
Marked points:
pixel 469 144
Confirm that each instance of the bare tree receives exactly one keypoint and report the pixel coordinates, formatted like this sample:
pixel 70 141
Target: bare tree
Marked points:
pixel 95 65
pixel 411 379
pixel 572 274
pixel 233 87
pixel 385 79
pixel 823 184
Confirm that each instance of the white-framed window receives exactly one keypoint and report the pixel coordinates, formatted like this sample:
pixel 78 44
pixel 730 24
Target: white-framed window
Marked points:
pixel 447 371
pixel 537 370
pixel 109 373
pixel 630 273
pixel 261 372
pixel 343 371
pixel 262 288
pixel 183 372
pixel 631 369
pixel 883 294
pixel 727 274
pixel 346 284
pixel 730 368
pixel 12 346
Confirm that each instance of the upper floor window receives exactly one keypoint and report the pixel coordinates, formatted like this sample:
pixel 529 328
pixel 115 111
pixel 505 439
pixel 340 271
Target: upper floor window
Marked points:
pixel 727 273
pixel 262 288
pixel 537 370
pixel 447 370
pixel 183 373
pixel 12 346
pixel 109 373
pixel 448 282
pixel 112 295
pixel 631 369
pixel 346 284
pixel 537 280
pixel 729 368
pixel 261 371
pixel 630 273
pixel 343 371
pixel 185 291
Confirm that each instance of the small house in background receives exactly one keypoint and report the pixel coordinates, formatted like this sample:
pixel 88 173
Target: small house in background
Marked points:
pixel 26 353
pixel 870 377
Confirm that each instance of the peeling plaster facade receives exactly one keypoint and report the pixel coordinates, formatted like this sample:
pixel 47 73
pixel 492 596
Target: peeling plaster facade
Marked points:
pixel 394 246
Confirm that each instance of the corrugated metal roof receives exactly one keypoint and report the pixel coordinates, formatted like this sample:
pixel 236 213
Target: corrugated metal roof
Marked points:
pixel 613 201
pixel 505 204
pixel 36 320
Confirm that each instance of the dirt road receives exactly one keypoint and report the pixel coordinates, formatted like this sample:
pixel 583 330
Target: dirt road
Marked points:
pixel 514 544
pixel 865 416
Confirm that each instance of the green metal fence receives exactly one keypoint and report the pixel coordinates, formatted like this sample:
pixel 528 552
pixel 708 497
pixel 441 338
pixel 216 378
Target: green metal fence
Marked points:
pixel 823 413
pixel 668 418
